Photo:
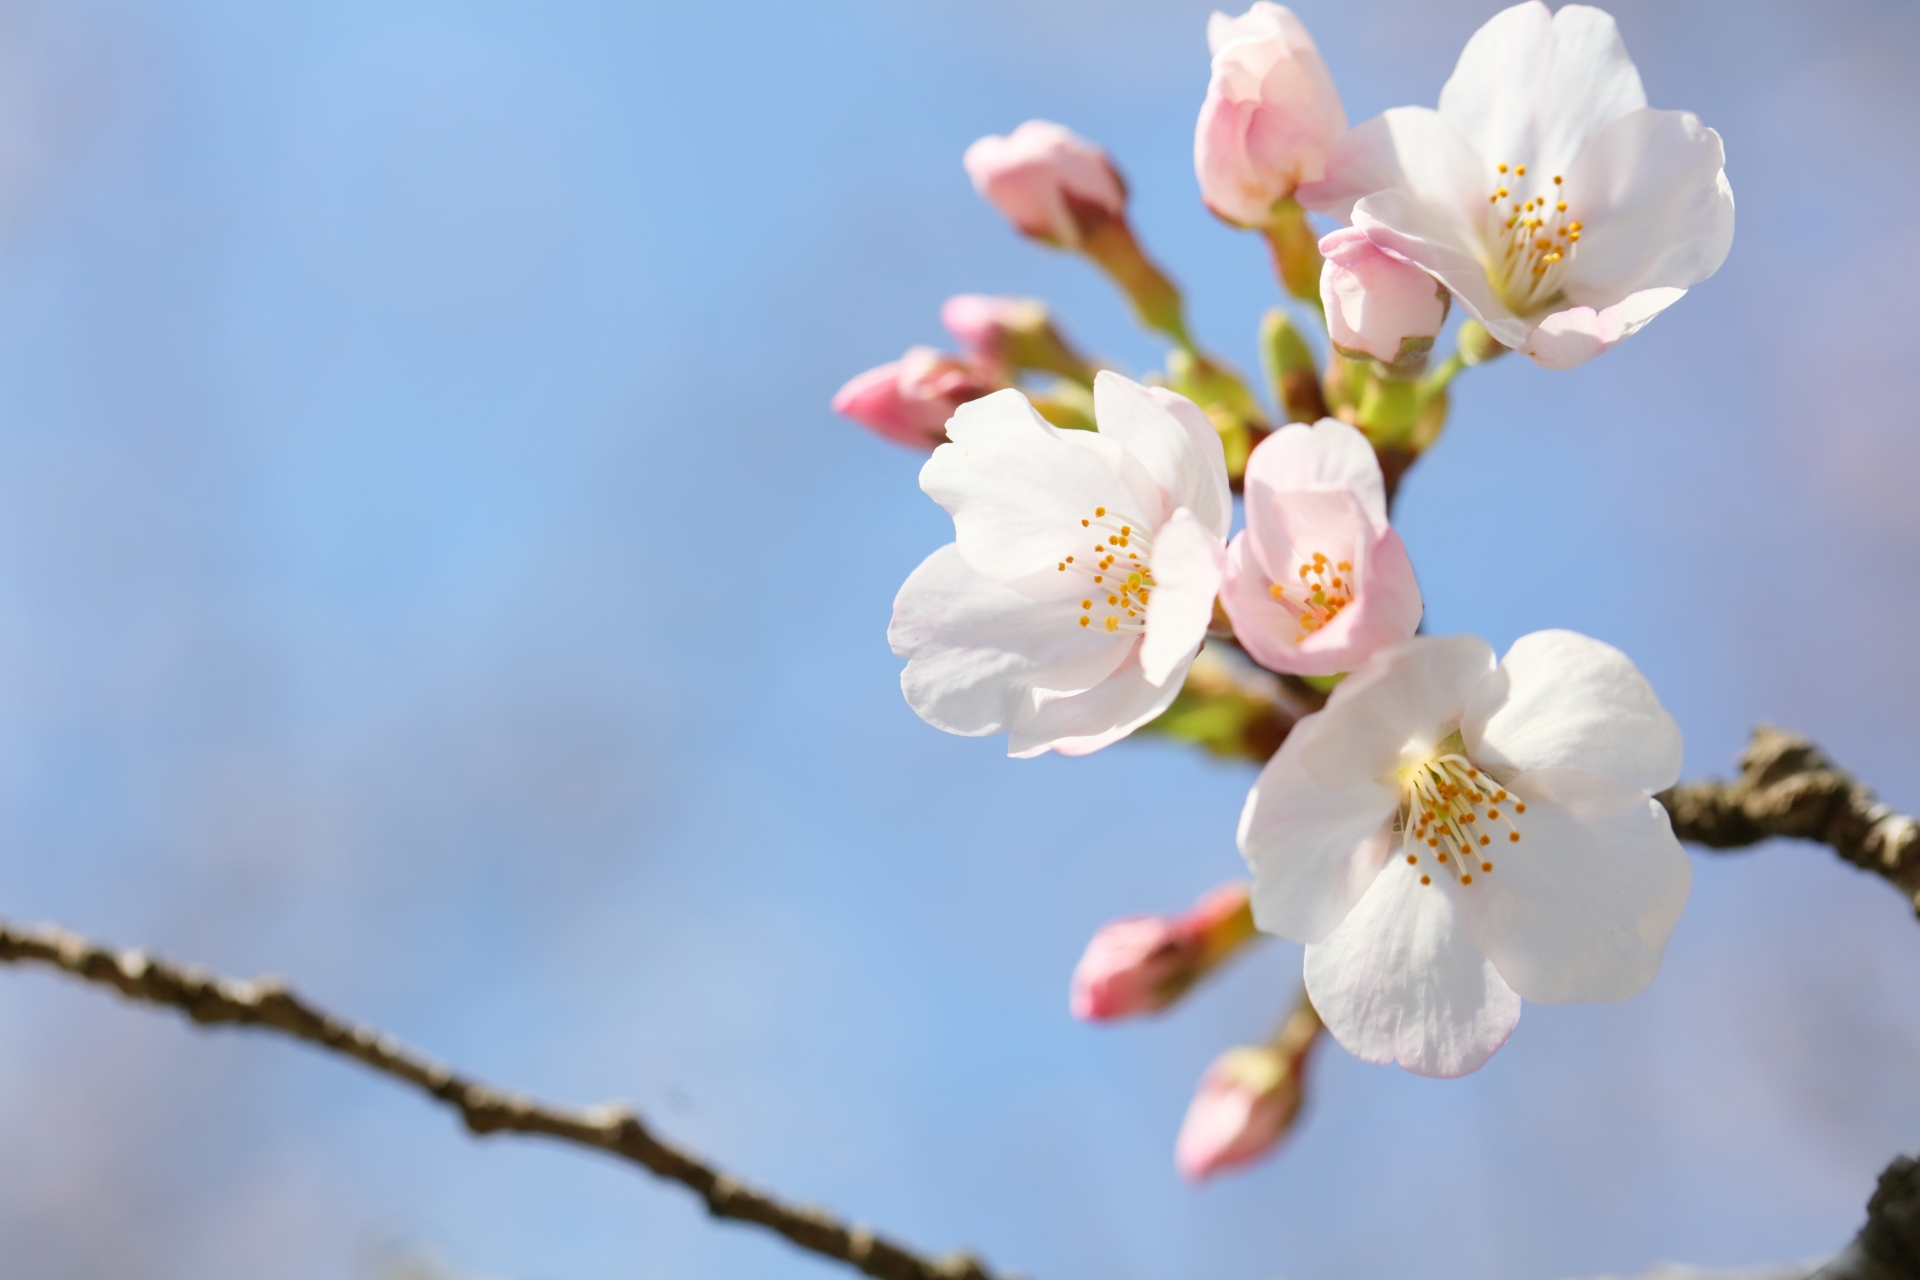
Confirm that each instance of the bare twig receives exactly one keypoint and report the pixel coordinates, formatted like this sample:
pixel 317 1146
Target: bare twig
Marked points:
pixel 1888 1247
pixel 210 999
pixel 1788 787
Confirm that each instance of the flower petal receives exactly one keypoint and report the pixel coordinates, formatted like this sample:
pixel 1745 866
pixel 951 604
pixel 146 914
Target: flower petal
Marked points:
pixel 1313 851
pixel 1581 907
pixel 1173 440
pixel 1656 210
pixel 1567 339
pixel 1432 238
pixel 1394 710
pixel 1075 724
pixel 1400 981
pixel 1561 699
pixel 976 650
pixel 1532 87
pixel 1018 488
pixel 1188 562
pixel 1386 610
pixel 1411 149
pixel 1330 454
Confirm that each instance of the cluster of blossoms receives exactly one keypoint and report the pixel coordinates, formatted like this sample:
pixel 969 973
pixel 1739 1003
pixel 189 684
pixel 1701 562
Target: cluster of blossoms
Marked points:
pixel 1446 833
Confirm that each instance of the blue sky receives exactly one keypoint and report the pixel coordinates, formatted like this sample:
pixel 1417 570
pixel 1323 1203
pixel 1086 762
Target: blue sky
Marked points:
pixel 429 570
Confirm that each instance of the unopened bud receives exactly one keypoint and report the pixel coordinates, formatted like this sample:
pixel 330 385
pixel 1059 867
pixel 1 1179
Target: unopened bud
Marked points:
pixel 1289 365
pixel 1142 964
pixel 1247 1101
pixel 1012 333
pixel 910 400
pixel 1271 116
pixel 1477 346
pixel 1377 304
pixel 1049 182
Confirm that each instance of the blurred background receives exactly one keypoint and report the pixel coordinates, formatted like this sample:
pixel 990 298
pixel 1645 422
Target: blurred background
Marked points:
pixel 429 570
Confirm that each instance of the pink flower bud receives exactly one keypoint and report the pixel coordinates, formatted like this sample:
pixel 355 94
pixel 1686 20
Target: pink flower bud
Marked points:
pixel 1377 304
pixel 1012 334
pixel 910 400
pixel 1271 115
pixel 1048 182
pixel 1142 964
pixel 1244 1106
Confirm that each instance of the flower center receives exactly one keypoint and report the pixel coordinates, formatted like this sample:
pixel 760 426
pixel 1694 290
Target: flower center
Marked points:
pixel 1530 240
pixel 1452 815
pixel 1325 588
pixel 1120 570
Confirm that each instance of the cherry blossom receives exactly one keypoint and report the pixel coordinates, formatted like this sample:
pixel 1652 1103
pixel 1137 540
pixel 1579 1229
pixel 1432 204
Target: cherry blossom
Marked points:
pixel 1271 115
pixel 909 400
pixel 1048 181
pixel 1561 210
pixel 1378 305
pixel 1318 579
pixel 1245 1104
pixel 1082 574
pixel 1142 964
pixel 1449 837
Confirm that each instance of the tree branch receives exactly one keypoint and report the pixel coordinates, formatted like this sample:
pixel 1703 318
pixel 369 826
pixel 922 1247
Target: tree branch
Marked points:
pixel 1888 1247
pixel 1788 787
pixel 210 999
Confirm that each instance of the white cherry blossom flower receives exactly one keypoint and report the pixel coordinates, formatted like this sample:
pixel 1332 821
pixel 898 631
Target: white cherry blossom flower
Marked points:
pixel 1561 210
pixel 1449 837
pixel 1082 574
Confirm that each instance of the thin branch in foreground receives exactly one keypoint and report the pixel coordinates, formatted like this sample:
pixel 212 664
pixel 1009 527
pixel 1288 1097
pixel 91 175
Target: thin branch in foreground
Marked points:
pixel 210 999
pixel 1888 1246
pixel 1788 787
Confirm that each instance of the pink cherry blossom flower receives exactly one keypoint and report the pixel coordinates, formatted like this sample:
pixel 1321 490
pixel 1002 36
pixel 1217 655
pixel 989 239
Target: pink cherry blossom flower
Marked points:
pixel 1318 579
pixel 1271 115
pixel 1142 964
pixel 909 400
pixel 1376 304
pixel 1049 182
pixel 1449 837
pixel 1561 210
pixel 1082 574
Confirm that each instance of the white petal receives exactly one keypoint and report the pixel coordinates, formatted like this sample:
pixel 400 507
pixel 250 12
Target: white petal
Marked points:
pixel 1432 239
pixel 1656 210
pixel 1327 455
pixel 1173 440
pixel 1400 981
pixel 1532 87
pixel 1395 709
pixel 1563 700
pixel 1570 338
pixel 976 650
pixel 1079 723
pixel 1409 149
pixel 1313 852
pixel 1581 907
pixel 1019 487
pixel 1188 563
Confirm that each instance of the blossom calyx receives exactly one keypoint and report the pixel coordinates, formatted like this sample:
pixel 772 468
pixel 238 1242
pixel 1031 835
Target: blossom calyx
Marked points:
pixel 1015 334
pixel 909 400
pixel 1377 304
pixel 1271 114
pixel 1318 580
pixel 1052 184
pixel 1563 220
pixel 1451 835
pixel 1083 573
pixel 1143 964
